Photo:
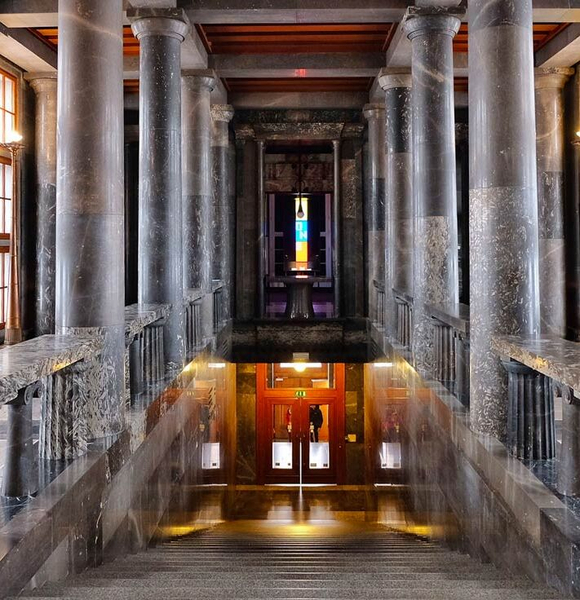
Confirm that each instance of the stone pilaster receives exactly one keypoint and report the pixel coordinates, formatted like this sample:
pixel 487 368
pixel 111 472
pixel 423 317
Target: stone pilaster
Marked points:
pixel 375 205
pixel 337 229
pixel 199 215
pixel 431 31
pixel 45 87
pixel 352 221
pixel 89 202
pixel 396 84
pixel 225 201
pixel 549 84
pixel 262 229
pixel 503 212
pixel 247 228
pixel 160 33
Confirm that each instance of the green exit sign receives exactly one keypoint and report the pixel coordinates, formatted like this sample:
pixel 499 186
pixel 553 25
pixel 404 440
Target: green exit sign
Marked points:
pixel 301 394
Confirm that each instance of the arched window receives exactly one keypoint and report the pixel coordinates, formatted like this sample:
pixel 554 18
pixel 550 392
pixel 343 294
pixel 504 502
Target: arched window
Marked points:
pixel 7 126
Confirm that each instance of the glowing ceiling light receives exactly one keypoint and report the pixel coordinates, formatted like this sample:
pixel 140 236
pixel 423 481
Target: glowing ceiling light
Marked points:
pixel 300 367
pixel 382 365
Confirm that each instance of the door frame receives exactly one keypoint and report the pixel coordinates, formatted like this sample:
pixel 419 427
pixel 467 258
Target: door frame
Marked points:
pixel 334 397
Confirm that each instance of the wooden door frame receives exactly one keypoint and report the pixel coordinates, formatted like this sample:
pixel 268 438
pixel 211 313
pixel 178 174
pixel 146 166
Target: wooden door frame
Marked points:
pixel 335 396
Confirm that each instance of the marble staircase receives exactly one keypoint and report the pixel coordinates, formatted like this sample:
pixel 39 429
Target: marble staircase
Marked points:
pixel 283 559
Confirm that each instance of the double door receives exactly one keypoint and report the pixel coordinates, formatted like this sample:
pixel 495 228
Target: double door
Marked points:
pixel 301 435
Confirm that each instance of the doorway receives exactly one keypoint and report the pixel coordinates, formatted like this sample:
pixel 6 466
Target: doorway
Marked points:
pixel 301 423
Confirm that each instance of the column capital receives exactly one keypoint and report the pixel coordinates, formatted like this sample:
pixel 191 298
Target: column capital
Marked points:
pixel 552 77
pixel 373 111
pixel 172 22
pixel 199 80
pixel 397 77
pixel 419 20
pixel 41 82
pixel 222 112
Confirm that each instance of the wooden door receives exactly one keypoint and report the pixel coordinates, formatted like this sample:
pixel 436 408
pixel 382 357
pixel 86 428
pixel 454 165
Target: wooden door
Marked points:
pixel 301 425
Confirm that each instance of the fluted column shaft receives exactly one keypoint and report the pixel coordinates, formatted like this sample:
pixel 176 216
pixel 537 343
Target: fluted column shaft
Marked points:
pixel 431 32
pixel 45 87
pixel 90 289
pixel 396 84
pixel 375 203
pixel 549 84
pixel 224 201
pixel 199 215
pixel 503 210
pixel 160 33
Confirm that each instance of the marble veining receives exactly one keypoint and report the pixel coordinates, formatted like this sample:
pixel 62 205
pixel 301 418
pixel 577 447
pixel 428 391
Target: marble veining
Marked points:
pixel 23 364
pixel 550 355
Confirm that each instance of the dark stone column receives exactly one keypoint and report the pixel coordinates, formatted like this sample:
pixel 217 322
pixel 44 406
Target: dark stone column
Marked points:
pixel 247 228
pixel 375 204
pixel 399 193
pixel 224 201
pixel 90 290
pixel 263 228
pixel 431 31
pixel 337 230
pixel 549 85
pixel 160 33
pixel 45 86
pixel 503 211
pixel 352 221
pixel 199 215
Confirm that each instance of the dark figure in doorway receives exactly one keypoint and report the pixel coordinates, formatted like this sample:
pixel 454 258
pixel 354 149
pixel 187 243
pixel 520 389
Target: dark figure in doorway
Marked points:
pixel 316 421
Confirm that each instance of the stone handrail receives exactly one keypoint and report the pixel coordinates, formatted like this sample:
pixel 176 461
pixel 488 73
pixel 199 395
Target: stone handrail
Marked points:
pixel 552 356
pixel 54 368
pixel 139 316
pixel 534 365
pixel 26 363
pixel 454 315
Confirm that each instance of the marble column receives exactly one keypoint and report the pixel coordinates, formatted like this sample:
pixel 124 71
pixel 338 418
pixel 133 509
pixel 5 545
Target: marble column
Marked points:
pixel 224 201
pixel 199 215
pixel 45 86
pixel 262 230
pixel 375 205
pixel 503 209
pixel 431 31
pixel 550 160
pixel 336 230
pixel 160 33
pixel 396 84
pixel 247 228
pixel 90 286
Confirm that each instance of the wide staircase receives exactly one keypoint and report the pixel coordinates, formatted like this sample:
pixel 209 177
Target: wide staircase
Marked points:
pixel 326 559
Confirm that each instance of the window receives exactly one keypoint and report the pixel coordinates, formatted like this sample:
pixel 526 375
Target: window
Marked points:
pixel 7 126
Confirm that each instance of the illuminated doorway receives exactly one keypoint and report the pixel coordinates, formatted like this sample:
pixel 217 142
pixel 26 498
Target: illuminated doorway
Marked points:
pixel 301 423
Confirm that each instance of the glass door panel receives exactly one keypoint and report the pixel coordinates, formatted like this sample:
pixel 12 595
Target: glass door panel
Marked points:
pixel 282 439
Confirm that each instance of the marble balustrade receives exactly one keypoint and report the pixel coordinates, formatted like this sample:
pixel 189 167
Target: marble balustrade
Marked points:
pixel 538 367
pixel 193 326
pixel 58 370
pixel 404 318
pixel 451 348
pixel 144 349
